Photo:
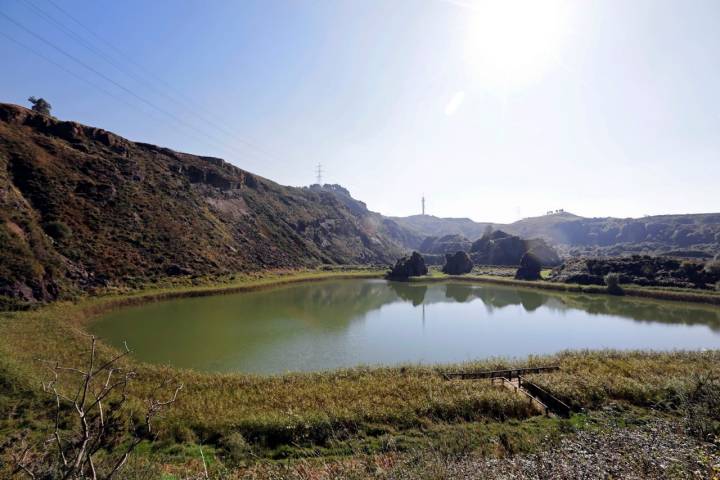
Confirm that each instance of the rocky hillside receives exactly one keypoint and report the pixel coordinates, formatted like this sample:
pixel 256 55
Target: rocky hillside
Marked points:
pixel 82 207
pixel 695 235
pixel 689 236
pixel 423 226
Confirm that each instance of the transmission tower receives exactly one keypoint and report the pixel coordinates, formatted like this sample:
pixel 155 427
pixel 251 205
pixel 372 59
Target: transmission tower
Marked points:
pixel 423 204
pixel 319 173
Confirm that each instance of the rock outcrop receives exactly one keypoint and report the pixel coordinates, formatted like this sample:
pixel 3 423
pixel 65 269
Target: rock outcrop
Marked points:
pixel 530 268
pixel 500 248
pixel 406 267
pixel 457 264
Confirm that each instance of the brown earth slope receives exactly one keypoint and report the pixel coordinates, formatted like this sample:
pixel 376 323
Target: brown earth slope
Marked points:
pixel 80 206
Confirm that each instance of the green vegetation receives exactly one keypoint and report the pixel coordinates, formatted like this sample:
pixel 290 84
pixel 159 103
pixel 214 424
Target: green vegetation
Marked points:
pixel 40 105
pixel 244 419
pixel 612 282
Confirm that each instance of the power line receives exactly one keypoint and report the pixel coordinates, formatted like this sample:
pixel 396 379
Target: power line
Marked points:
pixel 85 80
pixel 62 67
pixel 118 85
pixel 181 101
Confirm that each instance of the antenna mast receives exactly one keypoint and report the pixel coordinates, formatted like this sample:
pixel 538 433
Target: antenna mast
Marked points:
pixel 423 204
pixel 318 173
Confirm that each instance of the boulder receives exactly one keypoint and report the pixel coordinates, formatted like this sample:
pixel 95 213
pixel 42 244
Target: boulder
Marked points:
pixel 530 267
pixel 412 266
pixel 457 264
pixel 500 248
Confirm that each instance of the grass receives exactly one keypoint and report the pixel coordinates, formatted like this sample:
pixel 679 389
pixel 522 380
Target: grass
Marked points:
pixel 246 418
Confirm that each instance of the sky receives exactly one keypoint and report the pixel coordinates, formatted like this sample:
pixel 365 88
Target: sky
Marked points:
pixel 493 110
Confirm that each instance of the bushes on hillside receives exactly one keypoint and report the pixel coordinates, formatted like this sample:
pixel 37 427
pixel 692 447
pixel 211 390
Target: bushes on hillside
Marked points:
pixel 713 268
pixel 58 230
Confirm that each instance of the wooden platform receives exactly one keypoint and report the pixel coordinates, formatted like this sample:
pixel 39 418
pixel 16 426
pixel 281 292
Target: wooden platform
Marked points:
pixel 542 400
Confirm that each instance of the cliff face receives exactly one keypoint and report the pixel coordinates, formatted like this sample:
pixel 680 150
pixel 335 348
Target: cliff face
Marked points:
pixel 80 206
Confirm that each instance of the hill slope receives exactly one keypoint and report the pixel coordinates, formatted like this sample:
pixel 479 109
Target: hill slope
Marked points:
pixel 423 226
pixel 80 206
pixel 682 235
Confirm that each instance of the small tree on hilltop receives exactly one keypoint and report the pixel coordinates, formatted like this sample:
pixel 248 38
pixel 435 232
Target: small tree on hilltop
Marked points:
pixel 40 105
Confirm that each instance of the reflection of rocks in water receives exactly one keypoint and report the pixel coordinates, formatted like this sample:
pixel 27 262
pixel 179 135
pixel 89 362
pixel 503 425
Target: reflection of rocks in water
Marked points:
pixel 642 310
pixel 459 292
pixel 531 301
pixel 499 298
pixel 334 305
pixel 410 292
pixel 327 305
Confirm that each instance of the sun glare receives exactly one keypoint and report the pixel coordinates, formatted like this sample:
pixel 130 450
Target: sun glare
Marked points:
pixel 511 43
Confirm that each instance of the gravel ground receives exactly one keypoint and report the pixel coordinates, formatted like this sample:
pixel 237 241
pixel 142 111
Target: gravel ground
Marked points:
pixel 654 451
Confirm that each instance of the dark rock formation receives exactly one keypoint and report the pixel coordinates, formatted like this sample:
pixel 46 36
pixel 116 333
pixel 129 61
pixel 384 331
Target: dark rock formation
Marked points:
pixel 500 248
pixel 412 266
pixel 640 270
pixel 530 267
pixel 457 264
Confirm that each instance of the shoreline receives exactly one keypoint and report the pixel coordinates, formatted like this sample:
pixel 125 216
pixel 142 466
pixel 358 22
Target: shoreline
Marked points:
pixel 687 296
pixel 287 415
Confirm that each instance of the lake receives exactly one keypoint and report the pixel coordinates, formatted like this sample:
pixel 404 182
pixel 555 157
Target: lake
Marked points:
pixel 344 323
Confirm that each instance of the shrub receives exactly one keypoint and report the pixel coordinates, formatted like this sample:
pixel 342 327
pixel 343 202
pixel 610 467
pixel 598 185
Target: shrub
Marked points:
pixel 58 230
pixel 235 446
pixel 713 268
pixel 701 405
pixel 40 105
pixel 612 281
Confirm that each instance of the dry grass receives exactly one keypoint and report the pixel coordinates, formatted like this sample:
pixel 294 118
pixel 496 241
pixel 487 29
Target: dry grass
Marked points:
pixel 312 410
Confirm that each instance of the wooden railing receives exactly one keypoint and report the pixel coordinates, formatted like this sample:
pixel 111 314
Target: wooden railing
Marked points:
pixel 553 403
pixel 509 374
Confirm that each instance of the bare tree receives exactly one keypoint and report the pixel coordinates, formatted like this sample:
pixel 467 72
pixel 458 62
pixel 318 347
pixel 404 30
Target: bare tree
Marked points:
pixel 97 420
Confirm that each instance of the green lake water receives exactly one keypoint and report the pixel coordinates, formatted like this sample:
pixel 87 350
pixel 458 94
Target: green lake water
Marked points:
pixel 344 323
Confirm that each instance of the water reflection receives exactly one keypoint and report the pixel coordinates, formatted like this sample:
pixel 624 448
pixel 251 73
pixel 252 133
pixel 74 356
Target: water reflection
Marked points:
pixel 496 297
pixel 344 323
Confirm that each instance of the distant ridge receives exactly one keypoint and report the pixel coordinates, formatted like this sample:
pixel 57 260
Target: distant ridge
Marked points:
pixel 690 235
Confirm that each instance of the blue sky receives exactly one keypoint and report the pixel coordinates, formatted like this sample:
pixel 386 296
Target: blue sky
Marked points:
pixel 493 110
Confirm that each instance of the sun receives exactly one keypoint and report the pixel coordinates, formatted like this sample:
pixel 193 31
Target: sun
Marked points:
pixel 511 43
